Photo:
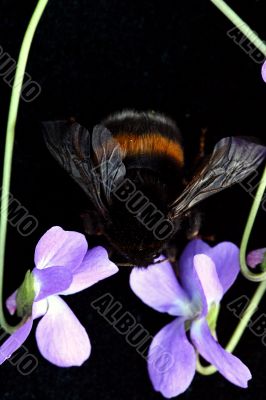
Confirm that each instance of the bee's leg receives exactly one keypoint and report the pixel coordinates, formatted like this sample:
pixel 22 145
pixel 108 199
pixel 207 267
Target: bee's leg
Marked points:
pixel 92 223
pixel 190 230
pixel 193 224
pixel 208 238
pixel 202 144
pixel 172 252
pixel 174 247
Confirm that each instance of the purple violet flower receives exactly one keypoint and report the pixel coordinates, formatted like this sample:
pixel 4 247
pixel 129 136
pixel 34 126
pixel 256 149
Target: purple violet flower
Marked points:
pixel 256 257
pixel 64 265
pixel 263 71
pixel 205 273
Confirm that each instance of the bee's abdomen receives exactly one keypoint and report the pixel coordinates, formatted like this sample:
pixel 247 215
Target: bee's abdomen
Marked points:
pixel 146 135
pixel 152 144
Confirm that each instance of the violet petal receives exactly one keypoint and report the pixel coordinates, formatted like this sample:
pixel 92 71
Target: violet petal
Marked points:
pixel 256 257
pixel 39 308
pixel 95 267
pixel 15 341
pixel 60 248
pixel 208 277
pixel 11 304
pixel 226 259
pixel 227 364
pixel 171 360
pixel 263 71
pixel 188 276
pixel 158 287
pixel 49 281
pixel 61 338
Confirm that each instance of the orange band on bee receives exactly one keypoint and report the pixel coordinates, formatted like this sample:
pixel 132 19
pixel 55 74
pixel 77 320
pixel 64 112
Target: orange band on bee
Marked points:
pixel 150 143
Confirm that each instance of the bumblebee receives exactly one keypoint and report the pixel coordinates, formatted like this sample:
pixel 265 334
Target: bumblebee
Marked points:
pixel 132 169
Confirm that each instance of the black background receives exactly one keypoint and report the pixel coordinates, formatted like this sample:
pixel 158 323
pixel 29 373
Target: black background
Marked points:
pixel 95 57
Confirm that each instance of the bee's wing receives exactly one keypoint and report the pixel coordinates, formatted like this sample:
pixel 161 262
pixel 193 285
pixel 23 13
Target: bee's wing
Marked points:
pixel 110 166
pixel 97 168
pixel 232 160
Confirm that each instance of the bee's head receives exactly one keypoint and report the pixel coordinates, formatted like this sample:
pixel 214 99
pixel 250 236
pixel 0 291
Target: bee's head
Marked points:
pixel 139 256
pixel 133 242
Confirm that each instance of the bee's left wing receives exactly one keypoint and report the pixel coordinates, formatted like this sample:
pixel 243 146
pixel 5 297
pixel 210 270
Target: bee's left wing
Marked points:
pixel 93 161
pixel 109 165
pixel 232 160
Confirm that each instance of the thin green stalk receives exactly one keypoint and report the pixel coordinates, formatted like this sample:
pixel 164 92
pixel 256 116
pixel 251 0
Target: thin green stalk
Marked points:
pixel 210 369
pixel 10 135
pixel 252 307
pixel 241 25
pixel 250 222
pixel 254 38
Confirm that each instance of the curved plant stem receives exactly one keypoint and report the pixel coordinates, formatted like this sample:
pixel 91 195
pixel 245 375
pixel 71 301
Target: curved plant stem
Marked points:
pixel 252 307
pixel 250 222
pixel 10 135
pixel 210 369
pixel 241 25
pixel 253 38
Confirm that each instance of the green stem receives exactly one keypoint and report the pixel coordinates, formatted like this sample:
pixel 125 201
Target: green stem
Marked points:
pixel 10 135
pixel 253 37
pixel 210 369
pixel 241 25
pixel 252 307
pixel 250 222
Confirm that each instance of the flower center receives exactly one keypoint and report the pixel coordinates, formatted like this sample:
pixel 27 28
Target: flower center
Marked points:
pixel 25 296
pixel 212 317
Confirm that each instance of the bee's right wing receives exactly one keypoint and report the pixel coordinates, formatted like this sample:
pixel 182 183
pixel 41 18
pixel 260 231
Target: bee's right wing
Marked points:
pixel 233 159
pixel 94 163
